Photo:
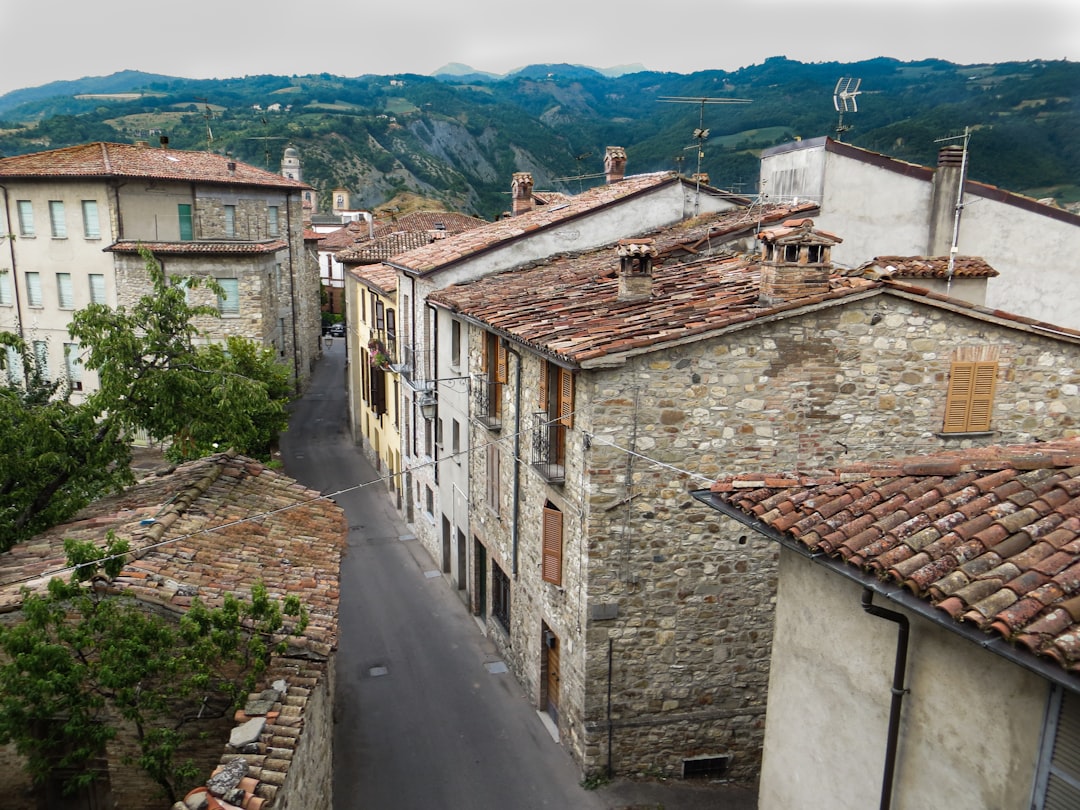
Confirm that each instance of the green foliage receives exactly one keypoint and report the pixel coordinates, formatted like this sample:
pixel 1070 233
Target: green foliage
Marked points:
pixel 84 668
pixel 57 456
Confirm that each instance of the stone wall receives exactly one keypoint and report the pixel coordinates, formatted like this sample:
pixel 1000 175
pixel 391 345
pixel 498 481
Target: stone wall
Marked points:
pixel 674 602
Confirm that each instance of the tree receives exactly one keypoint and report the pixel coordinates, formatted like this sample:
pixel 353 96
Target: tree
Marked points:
pixel 89 665
pixel 59 456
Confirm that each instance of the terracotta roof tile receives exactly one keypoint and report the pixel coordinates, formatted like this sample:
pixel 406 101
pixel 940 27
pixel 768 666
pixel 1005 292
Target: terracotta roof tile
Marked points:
pixel 900 267
pixel 1006 555
pixel 201 248
pixel 102 160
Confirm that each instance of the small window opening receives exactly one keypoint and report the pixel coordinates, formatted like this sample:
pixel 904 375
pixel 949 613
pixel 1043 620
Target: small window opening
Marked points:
pixel 706 767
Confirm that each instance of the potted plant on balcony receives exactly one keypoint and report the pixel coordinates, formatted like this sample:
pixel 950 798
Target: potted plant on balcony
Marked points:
pixel 377 355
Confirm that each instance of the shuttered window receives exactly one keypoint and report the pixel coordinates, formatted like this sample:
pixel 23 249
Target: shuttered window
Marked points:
pixel 566 398
pixel 186 228
pixel 33 289
pixel 1057 784
pixel 97 288
pixel 552 553
pixel 26 217
pixel 229 298
pixel 65 293
pixel 970 399
pixel 91 221
pixel 57 221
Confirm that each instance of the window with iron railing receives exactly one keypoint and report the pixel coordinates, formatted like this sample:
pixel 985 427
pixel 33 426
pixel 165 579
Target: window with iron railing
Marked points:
pixel 549 447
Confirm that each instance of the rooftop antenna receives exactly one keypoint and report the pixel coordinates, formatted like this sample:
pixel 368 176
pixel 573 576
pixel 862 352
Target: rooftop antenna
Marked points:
pixel 844 101
pixel 701 134
pixel 266 141
pixel 959 203
pixel 207 114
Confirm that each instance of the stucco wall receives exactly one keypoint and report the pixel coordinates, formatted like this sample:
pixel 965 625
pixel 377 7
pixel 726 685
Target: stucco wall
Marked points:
pixel 829 697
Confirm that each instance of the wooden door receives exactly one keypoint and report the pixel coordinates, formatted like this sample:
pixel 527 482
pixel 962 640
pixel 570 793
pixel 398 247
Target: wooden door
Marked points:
pixel 551 645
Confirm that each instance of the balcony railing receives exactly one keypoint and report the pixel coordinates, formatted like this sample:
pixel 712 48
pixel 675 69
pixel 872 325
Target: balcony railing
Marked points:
pixel 549 447
pixel 487 401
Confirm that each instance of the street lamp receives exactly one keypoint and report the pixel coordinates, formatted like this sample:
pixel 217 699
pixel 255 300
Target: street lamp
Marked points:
pixel 429 405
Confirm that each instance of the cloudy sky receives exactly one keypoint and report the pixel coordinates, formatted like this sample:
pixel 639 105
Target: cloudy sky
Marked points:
pixel 43 42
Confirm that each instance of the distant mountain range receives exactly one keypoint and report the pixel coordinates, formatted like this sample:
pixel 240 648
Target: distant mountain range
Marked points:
pixel 457 137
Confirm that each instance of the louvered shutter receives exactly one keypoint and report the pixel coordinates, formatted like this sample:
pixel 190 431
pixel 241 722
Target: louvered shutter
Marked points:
pixel 552 556
pixel 1063 780
pixel 500 361
pixel 543 403
pixel 970 399
pixel 566 398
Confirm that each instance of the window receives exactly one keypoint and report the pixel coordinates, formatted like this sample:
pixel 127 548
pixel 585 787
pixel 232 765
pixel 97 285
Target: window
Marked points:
pixel 97 288
pixel 500 596
pixel 970 398
pixel 455 343
pixel 33 289
pixel 1057 780
pixel 72 366
pixel 551 569
pixel 377 397
pixel 429 502
pixel 229 298
pixel 26 217
pixel 272 220
pixel 14 365
pixel 5 289
pixel 230 220
pixel 488 391
pixel 41 357
pixel 491 494
pixel 552 421
pixel 455 440
pixel 65 295
pixel 56 219
pixel 187 230
pixel 91 224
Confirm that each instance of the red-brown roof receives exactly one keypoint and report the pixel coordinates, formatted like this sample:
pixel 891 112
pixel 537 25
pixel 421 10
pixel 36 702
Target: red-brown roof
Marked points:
pixel 990 536
pixel 924 267
pixel 201 248
pixel 107 160
pixel 446 252
pixel 383 247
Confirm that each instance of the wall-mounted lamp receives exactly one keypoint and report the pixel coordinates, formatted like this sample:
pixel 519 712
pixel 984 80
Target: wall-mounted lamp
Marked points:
pixel 429 405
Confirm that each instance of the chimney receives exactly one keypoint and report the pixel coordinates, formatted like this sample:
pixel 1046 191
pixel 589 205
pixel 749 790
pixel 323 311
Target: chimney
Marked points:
pixel 164 141
pixel 702 178
pixel 945 197
pixel 795 262
pixel 635 269
pixel 521 192
pixel 615 163
pixel 231 166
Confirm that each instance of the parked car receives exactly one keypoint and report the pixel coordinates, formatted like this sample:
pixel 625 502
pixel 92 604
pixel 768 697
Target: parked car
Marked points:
pixel 337 330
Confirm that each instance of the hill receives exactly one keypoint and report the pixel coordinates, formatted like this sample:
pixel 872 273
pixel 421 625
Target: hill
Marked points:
pixel 457 137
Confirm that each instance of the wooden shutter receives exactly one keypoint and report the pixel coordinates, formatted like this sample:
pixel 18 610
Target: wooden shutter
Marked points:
pixel 500 361
pixel 552 558
pixel 970 399
pixel 543 404
pixel 566 398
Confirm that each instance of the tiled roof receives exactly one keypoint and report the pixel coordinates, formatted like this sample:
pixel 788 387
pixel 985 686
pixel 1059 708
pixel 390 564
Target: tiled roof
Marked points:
pixel 446 252
pixel 990 537
pixel 383 247
pixel 202 248
pixel 382 277
pixel 924 267
pixel 444 221
pixel 101 160
pixel 348 234
pixel 197 531
pixel 569 306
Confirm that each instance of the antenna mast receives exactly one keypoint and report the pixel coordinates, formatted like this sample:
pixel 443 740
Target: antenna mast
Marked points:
pixel 701 134
pixel 844 100
pixel 959 202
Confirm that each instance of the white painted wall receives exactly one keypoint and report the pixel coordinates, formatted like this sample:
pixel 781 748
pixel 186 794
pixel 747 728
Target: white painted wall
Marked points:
pixel 971 722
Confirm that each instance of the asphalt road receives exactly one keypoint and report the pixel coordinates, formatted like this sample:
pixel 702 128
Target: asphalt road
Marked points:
pixel 427 718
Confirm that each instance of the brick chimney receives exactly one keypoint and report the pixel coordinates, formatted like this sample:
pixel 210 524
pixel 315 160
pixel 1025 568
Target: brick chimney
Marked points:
pixel 635 269
pixel 521 192
pixel 795 261
pixel 945 196
pixel 615 163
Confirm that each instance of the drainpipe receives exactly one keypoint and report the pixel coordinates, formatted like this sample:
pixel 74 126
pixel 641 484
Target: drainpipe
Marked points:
pixel 14 275
pixel 517 456
pixel 292 289
pixel 898 691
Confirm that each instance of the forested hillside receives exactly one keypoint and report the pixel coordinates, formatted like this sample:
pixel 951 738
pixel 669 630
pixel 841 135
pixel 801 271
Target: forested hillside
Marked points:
pixel 457 138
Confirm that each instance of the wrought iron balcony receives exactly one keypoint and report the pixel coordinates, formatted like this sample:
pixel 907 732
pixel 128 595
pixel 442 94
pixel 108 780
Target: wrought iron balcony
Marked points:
pixel 487 401
pixel 549 448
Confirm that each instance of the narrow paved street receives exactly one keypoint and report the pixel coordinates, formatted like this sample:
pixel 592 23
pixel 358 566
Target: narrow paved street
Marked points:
pixel 427 716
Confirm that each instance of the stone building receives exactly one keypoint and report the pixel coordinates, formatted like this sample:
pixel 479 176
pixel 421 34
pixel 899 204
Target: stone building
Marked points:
pixel 608 384
pixel 80 216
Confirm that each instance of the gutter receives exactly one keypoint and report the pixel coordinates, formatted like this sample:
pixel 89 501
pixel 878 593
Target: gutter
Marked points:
pixel 516 509
pixel 898 691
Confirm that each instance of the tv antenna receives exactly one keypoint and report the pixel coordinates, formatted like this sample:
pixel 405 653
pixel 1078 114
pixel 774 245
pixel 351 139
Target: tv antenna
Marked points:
pixel 701 134
pixel 207 114
pixel 266 141
pixel 954 249
pixel 844 101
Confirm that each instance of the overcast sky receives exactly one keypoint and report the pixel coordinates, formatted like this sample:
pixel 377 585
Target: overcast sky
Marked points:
pixel 43 42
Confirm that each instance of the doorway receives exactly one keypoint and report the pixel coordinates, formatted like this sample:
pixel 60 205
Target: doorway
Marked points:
pixel 549 666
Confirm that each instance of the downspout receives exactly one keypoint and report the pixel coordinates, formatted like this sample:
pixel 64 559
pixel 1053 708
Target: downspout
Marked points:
pixel 14 276
pixel 898 691
pixel 516 508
